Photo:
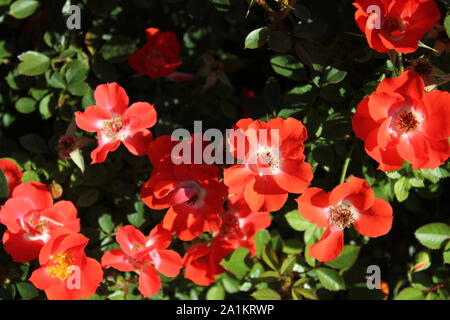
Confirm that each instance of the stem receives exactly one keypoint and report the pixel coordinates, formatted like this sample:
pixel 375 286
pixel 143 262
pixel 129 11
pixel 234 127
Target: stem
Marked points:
pixel 401 68
pixel 346 163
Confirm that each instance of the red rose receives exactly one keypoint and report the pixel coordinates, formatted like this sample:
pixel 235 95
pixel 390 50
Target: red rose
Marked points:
pixel 115 122
pixel 400 121
pixel 146 254
pixel 66 273
pixel 350 203
pixel 191 192
pixel 159 56
pixel 272 167
pixel 31 218
pixel 395 24
pixel 12 174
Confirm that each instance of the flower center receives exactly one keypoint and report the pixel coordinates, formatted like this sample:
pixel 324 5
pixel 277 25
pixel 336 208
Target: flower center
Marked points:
pixel 407 122
pixel 195 193
pixel 267 158
pixel 112 127
pixel 61 268
pixel 42 226
pixel 394 27
pixel 341 216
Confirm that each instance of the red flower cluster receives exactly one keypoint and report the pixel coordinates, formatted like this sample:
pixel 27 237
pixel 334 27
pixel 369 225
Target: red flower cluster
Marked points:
pixel 395 24
pixel 38 227
pixel 400 121
pixel 350 203
pixel 146 254
pixel 159 56
pixel 114 122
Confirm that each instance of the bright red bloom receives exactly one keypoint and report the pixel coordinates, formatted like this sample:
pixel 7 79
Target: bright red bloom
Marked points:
pixel 273 162
pixel 31 217
pixel 202 262
pixel 159 56
pixel 192 192
pixel 115 122
pixel 350 203
pixel 66 273
pixel 12 173
pixel 395 24
pixel 400 121
pixel 193 195
pixel 240 225
pixel 147 255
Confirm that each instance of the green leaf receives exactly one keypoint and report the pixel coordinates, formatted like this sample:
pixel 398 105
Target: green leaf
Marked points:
pixel 78 88
pixel 261 239
pixel 55 80
pixel 257 38
pixel 346 258
pixel 410 294
pixel 33 63
pixel 21 9
pixel 433 235
pixel 422 261
pixel 288 264
pixel 25 105
pixel 44 106
pixel 30 176
pixel 296 221
pixel 292 246
pixel 446 253
pixel 137 219
pixel 118 48
pixel 77 157
pixel 236 262
pixel 447 25
pixel 333 75
pixel 308 293
pixel 269 256
pixel 4 189
pixel 88 198
pixel 105 222
pixel 330 279
pixel 401 189
pixel 216 292
pixel 288 66
pixel 266 294
pixel 230 284
pixel 77 71
pixel 26 290
pixel 34 143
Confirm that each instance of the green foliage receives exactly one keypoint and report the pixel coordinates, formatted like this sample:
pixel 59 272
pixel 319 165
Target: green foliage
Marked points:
pixel 433 235
pixel 303 61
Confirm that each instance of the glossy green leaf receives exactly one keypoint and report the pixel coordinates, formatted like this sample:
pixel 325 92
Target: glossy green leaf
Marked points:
pixel 433 235
pixel 33 63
